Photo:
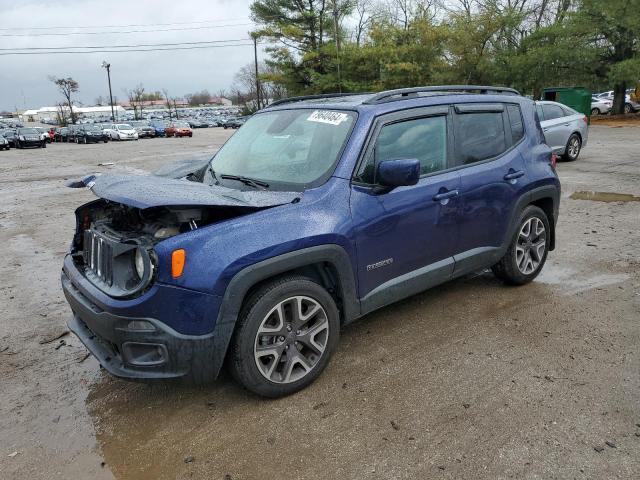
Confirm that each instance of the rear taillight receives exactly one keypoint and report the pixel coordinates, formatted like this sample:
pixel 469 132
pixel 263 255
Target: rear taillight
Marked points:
pixel 554 160
pixel 585 119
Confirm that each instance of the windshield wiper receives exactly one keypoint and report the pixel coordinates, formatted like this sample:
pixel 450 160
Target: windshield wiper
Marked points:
pixel 247 181
pixel 213 175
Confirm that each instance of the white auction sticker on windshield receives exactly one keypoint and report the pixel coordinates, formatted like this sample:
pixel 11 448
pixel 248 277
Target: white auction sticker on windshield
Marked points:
pixel 326 116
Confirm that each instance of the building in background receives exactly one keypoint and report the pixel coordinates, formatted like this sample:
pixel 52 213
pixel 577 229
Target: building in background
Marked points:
pixel 50 114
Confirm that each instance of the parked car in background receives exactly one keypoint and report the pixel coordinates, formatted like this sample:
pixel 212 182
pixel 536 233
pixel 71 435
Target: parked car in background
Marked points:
pixel 122 131
pixel 159 127
pixel 316 213
pixel 630 105
pixel 600 106
pixel 10 135
pixel 30 137
pixel 178 129
pixel 62 134
pixel 4 143
pixel 144 129
pixel 90 133
pixel 606 95
pixel 44 134
pixel 565 130
pixel 235 122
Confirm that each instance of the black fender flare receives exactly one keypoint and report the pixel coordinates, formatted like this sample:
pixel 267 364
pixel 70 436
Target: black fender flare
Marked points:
pixel 531 196
pixel 251 275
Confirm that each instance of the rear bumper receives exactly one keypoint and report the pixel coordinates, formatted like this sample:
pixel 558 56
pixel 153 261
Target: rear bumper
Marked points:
pixel 127 351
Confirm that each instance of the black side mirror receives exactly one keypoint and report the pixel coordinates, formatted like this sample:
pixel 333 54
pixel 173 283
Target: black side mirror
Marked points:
pixel 398 173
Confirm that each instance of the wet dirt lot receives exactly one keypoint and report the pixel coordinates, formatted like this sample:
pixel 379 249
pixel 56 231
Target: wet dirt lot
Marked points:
pixel 469 380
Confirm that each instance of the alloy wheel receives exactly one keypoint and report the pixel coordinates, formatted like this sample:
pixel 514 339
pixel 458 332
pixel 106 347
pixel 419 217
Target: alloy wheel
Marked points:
pixel 291 339
pixel 574 147
pixel 531 245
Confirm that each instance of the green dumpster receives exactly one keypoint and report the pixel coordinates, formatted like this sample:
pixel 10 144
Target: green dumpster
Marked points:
pixel 578 98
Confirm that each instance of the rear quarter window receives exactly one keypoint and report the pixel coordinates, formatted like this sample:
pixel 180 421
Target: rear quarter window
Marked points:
pixel 517 125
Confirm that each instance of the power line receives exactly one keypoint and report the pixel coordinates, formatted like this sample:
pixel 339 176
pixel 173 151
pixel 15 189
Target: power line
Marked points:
pixel 124 26
pixel 65 34
pixel 15 49
pixel 248 44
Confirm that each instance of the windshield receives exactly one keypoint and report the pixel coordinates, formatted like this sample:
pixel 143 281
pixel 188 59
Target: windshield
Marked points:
pixel 93 128
pixel 292 147
pixel 27 131
pixel 181 124
pixel 124 126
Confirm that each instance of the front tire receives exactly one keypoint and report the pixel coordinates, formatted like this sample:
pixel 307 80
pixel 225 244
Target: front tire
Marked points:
pixel 573 148
pixel 528 250
pixel 286 333
pixel 627 108
pixel 595 111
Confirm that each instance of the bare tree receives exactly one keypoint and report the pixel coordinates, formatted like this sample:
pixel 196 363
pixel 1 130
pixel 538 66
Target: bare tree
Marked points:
pixel 136 99
pixel 165 92
pixel 62 114
pixel 67 87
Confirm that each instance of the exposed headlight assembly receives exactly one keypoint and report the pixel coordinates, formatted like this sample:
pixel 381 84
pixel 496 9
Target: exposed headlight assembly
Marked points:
pixel 143 263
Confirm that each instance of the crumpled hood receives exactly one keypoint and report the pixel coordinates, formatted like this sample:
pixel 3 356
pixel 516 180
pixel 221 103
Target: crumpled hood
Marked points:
pixel 146 191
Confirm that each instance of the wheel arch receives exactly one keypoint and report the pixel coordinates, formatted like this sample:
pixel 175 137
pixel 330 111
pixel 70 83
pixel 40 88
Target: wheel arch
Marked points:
pixel 547 198
pixel 329 265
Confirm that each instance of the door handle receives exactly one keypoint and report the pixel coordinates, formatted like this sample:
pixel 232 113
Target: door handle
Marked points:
pixel 445 195
pixel 513 175
pixel 546 129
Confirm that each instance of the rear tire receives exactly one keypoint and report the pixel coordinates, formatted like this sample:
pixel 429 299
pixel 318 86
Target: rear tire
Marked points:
pixel 573 148
pixel 595 111
pixel 628 108
pixel 286 332
pixel 528 250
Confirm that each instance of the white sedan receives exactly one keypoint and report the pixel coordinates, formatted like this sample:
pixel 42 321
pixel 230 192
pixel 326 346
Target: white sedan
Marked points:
pixel 122 131
pixel 600 105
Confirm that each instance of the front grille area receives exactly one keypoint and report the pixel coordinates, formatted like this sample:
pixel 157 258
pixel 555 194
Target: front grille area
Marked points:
pixel 98 256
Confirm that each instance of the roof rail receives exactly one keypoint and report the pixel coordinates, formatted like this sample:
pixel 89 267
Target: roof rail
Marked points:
pixel 313 97
pixel 405 93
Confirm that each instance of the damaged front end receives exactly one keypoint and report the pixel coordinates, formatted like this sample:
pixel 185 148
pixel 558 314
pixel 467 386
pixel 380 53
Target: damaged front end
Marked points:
pixel 137 326
pixel 115 236
pixel 113 244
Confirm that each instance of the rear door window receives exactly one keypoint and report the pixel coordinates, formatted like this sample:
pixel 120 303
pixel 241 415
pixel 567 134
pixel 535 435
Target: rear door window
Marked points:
pixel 479 136
pixel 551 112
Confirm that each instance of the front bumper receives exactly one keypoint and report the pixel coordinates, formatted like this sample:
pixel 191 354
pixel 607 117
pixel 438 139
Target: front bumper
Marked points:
pixel 124 136
pixel 128 352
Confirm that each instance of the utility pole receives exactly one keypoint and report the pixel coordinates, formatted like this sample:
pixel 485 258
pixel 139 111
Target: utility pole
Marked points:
pixel 108 67
pixel 337 38
pixel 255 59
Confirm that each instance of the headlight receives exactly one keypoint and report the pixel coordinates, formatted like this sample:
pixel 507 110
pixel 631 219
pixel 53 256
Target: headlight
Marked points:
pixel 139 263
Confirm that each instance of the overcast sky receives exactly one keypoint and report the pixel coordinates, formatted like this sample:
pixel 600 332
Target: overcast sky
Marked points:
pixel 23 79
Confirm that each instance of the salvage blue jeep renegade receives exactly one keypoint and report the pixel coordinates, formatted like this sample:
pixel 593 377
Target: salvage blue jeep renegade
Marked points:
pixel 316 212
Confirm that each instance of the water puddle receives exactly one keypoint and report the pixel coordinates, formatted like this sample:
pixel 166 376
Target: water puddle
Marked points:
pixel 604 197
pixel 571 281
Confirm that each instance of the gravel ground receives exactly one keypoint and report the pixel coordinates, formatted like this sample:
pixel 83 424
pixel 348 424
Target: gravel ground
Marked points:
pixel 472 379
